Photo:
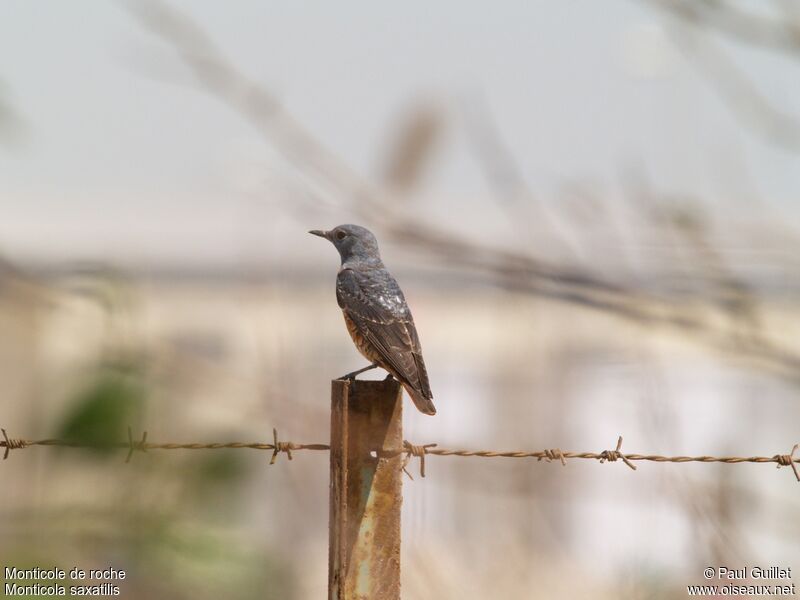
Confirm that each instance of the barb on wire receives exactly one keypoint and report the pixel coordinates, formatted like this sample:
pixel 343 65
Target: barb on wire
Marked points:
pixel 552 454
pixel 141 445
pixel 10 444
pixel 613 455
pixel 279 447
pixel 414 451
pixel 411 451
pixel 788 460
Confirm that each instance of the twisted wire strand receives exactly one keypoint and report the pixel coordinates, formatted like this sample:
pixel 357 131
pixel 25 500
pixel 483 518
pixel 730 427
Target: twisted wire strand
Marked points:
pixel 411 451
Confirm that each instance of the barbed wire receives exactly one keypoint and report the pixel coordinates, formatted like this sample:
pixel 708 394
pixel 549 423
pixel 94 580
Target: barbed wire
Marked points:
pixel 409 450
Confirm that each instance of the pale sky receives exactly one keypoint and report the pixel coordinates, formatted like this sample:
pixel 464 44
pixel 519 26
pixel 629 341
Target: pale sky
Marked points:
pixel 119 162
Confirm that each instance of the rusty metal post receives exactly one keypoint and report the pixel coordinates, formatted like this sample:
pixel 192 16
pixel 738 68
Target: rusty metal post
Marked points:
pixel 365 490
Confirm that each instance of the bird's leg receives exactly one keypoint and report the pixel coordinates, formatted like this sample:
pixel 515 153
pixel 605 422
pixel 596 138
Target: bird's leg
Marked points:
pixel 352 375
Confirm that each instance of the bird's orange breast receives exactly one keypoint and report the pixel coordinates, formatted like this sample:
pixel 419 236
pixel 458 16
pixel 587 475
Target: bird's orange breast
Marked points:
pixel 360 341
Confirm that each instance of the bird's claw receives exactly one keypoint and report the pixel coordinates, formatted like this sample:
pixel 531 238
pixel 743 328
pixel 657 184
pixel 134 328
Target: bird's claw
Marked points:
pixel 352 376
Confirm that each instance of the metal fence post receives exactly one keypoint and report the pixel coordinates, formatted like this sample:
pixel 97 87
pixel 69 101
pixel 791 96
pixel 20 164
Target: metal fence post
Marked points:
pixel 365 490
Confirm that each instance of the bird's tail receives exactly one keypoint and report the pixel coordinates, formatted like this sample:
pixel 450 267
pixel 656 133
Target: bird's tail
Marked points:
pixel 421 401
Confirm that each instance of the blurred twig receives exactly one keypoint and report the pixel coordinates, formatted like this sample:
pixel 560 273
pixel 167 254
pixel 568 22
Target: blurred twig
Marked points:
pixel 741 94
pixel 773 33
pixel 412 148
pixel 220 77
pixel 504 175
pixel 734 86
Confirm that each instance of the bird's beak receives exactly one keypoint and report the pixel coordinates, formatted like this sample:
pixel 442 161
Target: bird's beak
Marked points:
pixel 320 233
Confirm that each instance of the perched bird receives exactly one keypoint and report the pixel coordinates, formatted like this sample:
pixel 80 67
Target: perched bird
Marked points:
pixel 376 313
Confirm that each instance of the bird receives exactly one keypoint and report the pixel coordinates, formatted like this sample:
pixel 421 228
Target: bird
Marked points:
pixel 376 313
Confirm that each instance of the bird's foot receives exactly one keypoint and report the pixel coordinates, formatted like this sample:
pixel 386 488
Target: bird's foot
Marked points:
pixel 352 376
pixel 389 377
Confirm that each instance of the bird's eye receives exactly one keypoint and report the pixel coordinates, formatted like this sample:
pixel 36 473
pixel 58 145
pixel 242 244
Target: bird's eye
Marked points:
pixel 340 235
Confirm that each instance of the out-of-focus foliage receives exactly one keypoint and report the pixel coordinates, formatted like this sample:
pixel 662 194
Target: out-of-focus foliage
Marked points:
pixel 105 407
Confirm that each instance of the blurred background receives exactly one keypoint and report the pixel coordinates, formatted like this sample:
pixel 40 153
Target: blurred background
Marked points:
pixel 591 207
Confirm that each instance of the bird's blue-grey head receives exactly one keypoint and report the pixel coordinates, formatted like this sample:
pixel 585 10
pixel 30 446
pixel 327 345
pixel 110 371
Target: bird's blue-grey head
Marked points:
pixel 355 244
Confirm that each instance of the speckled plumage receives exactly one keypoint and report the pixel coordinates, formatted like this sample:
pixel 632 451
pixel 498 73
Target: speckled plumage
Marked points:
pixel 376 312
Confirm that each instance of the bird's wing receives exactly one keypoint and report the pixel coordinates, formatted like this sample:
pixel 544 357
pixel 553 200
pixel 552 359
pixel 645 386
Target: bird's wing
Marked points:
pixel 375 303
